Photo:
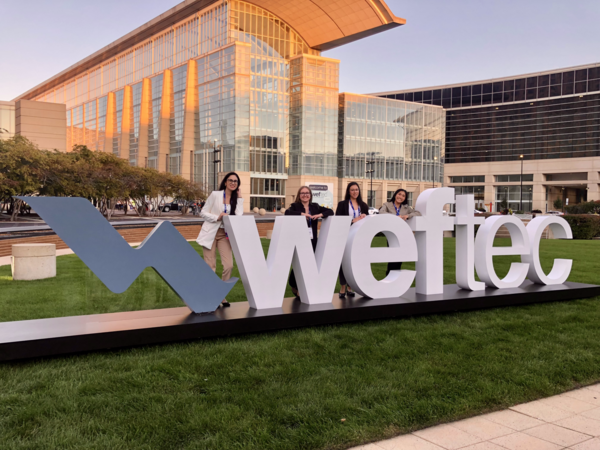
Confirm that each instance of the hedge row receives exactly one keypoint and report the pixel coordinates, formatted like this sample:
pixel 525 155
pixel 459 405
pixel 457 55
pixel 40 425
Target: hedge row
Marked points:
pixel 591 207
pixel 583 226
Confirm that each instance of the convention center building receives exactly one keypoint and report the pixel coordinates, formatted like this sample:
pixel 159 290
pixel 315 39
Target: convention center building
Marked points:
pixel 539 130
pixel 212 86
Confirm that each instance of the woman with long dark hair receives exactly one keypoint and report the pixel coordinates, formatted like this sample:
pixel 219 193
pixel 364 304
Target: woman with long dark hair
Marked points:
pixel 354 206
pixel 304 206
pixel 226 201
pixel 400 207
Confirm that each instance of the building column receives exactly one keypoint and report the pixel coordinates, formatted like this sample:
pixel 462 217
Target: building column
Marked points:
pixel 489 193
pixel 189 127
pixel 593 187
pixel 126 125
pixel 146 104
pixel 539 193
pixel 69 128
pixel 164 136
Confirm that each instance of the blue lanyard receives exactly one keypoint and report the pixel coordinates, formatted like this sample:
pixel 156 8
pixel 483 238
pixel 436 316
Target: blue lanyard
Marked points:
pixel 397 209
pixel 354 211
pixel 224 205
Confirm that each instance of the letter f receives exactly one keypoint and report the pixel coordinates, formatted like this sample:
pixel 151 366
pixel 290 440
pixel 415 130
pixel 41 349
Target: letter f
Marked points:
pixel 429 230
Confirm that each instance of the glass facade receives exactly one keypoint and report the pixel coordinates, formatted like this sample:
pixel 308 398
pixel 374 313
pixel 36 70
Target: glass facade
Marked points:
pixel 156 90
pixel 523 88
pixel 223 113
pixel 512 196
pixel 313 116
pixel 134 134
pixel 118 121
pixel 544 116
pixel 176 120
pixel 405 141
pixel 236 78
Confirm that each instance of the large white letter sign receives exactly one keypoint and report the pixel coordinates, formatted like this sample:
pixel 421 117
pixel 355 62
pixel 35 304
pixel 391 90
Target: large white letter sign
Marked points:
pixel 359 255
pixel 465 243
pixel 485 251
pixel 265 280
pixel 561 267
pixel 430 238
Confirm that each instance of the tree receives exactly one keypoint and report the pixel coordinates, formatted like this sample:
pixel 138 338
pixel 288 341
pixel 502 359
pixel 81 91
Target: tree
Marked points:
pixel 187 192
pixel 20 165
pixel 558 204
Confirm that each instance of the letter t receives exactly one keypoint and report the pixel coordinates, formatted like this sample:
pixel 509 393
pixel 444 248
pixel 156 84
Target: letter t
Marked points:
pixel 465 243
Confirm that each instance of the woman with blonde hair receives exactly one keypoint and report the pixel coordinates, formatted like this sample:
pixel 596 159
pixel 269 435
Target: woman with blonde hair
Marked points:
pixel 304 206
pixel 226 201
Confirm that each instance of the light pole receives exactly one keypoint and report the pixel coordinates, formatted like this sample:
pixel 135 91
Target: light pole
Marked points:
pixel 215 162
pixel 521 201
pixel 370 171
pixel 434 168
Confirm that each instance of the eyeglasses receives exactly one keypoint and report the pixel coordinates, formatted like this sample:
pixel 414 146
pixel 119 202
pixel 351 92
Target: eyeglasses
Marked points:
pixel 233 181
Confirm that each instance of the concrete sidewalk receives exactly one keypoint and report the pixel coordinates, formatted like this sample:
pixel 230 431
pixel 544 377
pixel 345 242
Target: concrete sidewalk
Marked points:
pixel 570 421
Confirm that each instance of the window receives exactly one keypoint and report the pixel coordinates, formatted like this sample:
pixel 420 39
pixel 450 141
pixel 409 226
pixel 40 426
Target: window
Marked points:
pixel 513 178
pixel 371 198
pixel 477 191
pixel 510 196
pixel 468 179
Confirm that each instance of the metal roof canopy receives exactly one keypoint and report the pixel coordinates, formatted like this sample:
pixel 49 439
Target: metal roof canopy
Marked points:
pixel 324 24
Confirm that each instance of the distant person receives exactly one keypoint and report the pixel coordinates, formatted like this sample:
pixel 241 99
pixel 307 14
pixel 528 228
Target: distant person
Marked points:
pixel 226 201
pixel 304 206
pixel 398 206
pixel 353 206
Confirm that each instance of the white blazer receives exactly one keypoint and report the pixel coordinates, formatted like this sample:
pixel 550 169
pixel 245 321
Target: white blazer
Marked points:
pixel 210 213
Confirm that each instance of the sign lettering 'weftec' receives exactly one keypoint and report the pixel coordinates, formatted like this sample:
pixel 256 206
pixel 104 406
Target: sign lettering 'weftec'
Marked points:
pixel 100 247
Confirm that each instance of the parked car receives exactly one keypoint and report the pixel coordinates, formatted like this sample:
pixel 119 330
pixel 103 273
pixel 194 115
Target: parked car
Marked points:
pixel 373 211
pixel 556 213
pixel 170 207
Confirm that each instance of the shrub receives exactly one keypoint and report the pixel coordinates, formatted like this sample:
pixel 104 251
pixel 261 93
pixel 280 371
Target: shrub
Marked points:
pixel 558 204
pixel 591 207
pixel 537 211
pixel 583 226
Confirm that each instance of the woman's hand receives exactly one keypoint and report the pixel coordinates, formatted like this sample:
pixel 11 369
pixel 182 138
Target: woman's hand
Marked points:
pixel 404 217
pixel 316 216
pixel 221 216
pixel 361 217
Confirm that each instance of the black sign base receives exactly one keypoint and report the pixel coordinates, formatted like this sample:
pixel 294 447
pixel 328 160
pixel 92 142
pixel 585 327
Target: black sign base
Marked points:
pixel 66 335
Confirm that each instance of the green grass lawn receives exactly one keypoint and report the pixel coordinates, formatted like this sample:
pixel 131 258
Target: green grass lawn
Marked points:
pixel 290 389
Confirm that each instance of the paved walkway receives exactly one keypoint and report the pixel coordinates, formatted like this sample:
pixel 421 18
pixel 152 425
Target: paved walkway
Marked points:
pixel 570 421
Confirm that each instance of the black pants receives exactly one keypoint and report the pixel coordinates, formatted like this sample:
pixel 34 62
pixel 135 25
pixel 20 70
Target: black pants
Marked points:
pixel 292 279
pixel 393 265
pixel 390 266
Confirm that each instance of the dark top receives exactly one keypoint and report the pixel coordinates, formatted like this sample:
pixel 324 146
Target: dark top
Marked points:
pixel 296 209
pixel 342 208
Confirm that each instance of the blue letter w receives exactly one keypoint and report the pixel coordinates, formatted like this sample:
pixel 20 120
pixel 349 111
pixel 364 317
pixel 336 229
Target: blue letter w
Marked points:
pixel 109 256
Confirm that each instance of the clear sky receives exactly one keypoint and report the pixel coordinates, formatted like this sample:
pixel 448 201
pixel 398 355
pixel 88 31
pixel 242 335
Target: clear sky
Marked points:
pixel 443 42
